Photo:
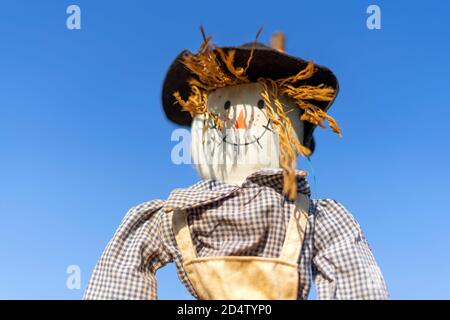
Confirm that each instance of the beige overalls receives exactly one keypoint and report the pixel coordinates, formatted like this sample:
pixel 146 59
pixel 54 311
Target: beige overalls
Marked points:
pixel 245 277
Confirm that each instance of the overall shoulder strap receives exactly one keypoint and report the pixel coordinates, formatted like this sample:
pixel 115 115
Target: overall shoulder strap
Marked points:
pixel 296 229
pixel 183 235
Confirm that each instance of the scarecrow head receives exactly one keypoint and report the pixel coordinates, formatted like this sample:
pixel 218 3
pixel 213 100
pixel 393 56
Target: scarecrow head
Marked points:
pixel 250 107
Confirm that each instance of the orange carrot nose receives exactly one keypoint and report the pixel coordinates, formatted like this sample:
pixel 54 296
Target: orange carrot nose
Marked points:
pixel 240 122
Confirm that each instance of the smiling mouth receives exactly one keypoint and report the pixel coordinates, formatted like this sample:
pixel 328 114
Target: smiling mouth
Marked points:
pixel 255 139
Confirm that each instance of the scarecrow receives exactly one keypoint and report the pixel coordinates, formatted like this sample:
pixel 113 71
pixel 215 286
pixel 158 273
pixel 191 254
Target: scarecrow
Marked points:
pixel 248 229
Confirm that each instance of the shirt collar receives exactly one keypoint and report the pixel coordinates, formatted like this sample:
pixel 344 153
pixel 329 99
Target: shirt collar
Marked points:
pixel 207 191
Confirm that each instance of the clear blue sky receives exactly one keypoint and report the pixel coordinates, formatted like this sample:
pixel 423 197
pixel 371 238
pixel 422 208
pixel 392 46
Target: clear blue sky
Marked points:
pixel 83 138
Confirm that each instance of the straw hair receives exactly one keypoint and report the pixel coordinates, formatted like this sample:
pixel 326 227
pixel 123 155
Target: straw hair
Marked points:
pixel 214 68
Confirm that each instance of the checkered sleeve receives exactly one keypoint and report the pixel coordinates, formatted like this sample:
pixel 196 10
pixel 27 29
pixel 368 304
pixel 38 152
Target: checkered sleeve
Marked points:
pixel 343 264
pixel 127 267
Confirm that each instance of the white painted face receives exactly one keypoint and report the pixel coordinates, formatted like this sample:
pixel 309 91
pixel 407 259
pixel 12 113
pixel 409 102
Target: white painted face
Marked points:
pixel 247 142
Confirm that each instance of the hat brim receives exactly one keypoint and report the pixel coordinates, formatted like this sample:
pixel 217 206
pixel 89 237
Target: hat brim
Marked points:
pixel 266 63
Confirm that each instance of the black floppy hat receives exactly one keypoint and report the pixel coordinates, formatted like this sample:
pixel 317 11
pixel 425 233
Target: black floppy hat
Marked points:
pixel 266 63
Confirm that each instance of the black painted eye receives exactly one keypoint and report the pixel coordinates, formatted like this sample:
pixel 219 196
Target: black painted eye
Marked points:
pixel 261 104
pixel 227 105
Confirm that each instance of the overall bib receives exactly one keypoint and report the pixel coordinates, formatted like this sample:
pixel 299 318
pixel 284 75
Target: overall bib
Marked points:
pixel 245 277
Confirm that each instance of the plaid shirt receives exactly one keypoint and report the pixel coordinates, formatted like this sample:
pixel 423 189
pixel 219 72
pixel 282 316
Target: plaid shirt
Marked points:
pixel 246 220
